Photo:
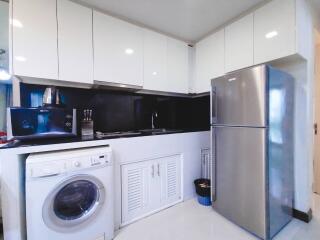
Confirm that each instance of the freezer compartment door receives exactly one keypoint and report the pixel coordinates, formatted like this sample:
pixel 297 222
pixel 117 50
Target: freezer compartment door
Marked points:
pixel 239 99
pixel 238 176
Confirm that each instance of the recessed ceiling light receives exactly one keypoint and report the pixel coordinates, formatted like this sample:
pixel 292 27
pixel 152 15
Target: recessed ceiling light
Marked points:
pixel 272 34
pixel 129 51
pixel 154 73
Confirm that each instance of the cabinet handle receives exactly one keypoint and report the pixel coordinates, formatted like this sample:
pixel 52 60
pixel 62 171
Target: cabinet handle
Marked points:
pixel 158 170
pixel 152 171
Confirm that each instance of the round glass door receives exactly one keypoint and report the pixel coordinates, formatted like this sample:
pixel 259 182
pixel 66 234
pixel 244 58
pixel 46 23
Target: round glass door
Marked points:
pixel 75 200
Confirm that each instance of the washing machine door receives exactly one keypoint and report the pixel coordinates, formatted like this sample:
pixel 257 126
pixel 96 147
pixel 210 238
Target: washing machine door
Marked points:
pixel 73 202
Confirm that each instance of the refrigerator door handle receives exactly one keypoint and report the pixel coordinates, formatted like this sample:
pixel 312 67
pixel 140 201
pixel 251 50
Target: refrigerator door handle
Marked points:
pixel 214 105
pixel 213 165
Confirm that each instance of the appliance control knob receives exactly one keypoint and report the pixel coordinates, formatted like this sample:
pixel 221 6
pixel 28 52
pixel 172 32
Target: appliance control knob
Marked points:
pixel 76 164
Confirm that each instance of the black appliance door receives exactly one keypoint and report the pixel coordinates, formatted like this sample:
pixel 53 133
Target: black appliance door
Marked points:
pixel 73 202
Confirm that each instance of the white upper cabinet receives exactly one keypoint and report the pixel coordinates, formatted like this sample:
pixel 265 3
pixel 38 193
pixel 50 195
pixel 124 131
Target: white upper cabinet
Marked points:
pixel 165 63
pixel 274 31
pixel 209 61
pixel 34 38
pixel 239 44
pixel 118 51
pixel 177 66
pixel 75 42
pixel 61 40
pixel 155 61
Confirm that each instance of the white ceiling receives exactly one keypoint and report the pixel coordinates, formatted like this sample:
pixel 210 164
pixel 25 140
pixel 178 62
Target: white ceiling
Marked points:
pixel 189 20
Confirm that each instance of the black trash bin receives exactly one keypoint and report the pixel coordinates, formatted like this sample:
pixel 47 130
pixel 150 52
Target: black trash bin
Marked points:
pixel 203 190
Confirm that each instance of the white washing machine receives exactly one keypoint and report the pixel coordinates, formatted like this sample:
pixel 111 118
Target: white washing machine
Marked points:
pixel 69 195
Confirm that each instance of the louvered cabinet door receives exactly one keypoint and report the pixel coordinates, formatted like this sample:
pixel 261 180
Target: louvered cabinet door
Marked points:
pixel 170 178
pixel 136 181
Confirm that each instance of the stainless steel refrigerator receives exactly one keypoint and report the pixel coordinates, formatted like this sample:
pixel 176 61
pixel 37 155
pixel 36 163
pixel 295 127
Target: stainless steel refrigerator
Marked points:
pixel 252 149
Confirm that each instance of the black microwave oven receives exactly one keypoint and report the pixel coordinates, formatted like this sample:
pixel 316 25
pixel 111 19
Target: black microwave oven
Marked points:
pixel 34 123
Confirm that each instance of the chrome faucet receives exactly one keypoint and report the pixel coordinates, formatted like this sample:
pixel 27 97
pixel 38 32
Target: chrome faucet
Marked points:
pixel 153 116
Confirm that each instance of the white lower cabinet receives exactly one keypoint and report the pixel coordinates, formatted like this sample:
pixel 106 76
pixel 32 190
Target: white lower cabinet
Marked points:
pixel 170 179
pixel 136 185
pixel 149 186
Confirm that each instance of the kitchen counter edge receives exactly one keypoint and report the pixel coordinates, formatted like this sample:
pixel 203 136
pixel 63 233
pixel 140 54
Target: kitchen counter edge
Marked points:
pixel 57 145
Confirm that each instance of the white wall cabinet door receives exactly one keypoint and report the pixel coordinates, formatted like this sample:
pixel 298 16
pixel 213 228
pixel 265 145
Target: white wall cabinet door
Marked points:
pixel 75 42
pixel 209 61
pixel 34 38
pixel 165 63
pixel 170 175
pixel 239 44
pixel 177 66
pixel 274 31
pixel 155 61
pixel 118 51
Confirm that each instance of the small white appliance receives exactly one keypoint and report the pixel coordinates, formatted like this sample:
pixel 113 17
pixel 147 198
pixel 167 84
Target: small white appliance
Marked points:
pixel 69 195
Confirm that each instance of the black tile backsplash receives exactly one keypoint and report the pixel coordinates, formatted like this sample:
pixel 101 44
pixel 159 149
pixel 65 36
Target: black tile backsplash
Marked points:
pixel 125 111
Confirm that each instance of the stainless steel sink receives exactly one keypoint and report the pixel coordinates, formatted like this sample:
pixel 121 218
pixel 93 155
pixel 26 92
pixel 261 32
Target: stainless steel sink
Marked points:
pixel 157 131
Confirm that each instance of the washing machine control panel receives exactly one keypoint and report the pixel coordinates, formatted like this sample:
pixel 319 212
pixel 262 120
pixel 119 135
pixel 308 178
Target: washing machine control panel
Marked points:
pixel 100 160
pixel 89 161
pixel 51 166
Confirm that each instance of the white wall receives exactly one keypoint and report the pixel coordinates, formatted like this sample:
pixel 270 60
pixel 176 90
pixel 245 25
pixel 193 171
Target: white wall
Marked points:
pixel 3 105
pixel 4 59
pixel 4 31
pixel 303 72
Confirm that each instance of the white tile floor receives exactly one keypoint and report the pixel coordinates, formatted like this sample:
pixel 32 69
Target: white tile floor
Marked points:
pixel 190 221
